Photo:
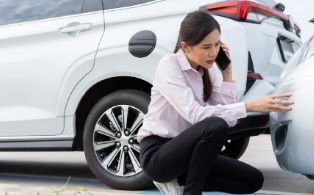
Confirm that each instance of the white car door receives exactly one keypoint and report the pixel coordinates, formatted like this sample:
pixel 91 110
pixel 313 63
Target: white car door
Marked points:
pixel 41 42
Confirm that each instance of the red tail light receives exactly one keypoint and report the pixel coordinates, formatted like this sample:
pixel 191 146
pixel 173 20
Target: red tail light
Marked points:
pixel 254 76
pixel 244 11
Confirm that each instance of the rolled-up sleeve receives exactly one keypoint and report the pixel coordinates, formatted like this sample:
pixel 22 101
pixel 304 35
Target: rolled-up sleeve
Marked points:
pixel 224 93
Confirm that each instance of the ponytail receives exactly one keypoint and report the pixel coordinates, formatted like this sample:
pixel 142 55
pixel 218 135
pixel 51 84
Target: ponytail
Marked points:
pixel 207 89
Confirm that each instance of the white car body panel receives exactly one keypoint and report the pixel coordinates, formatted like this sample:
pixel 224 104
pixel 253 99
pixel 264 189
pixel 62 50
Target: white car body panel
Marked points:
pixel 61 60
pixel 292 132
pixel 113 58
pixel 276 65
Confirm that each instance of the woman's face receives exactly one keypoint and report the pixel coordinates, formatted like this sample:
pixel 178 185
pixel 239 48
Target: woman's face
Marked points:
pixel 204 53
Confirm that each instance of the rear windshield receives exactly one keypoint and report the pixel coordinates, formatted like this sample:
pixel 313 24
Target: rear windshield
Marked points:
pixel 268 3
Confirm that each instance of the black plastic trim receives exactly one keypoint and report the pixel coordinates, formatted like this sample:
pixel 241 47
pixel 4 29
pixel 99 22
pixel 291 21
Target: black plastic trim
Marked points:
pixel 280 136
pixel 250 63
pixel 280 49
pixel 42 145
pixel 250 83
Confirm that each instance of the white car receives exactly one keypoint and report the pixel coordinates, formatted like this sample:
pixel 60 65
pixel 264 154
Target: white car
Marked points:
pixel 76 74
pixel 292 132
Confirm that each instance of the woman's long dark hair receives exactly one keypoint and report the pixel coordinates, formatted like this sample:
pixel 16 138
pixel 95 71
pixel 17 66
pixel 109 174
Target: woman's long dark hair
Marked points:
pixel 194 28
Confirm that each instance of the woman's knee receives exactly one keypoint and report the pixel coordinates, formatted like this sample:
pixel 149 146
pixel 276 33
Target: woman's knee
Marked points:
pixel 215 126
pixel 258 181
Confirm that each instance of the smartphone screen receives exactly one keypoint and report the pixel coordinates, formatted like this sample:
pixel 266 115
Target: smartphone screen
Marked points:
pixel 222 59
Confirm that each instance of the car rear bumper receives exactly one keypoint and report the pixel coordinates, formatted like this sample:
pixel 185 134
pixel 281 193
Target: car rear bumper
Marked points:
pixel 252 125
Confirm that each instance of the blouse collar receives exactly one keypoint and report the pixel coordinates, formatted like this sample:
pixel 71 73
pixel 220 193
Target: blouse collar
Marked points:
pixel 184 63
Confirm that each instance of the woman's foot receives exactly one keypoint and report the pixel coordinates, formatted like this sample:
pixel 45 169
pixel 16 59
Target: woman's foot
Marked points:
pixel 170 188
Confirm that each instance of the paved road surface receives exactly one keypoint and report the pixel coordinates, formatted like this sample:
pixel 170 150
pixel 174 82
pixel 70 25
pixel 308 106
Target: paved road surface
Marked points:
pixel 41 173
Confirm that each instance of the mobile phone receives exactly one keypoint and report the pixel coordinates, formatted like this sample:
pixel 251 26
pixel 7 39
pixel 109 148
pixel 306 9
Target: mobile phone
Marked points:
pixel 222 59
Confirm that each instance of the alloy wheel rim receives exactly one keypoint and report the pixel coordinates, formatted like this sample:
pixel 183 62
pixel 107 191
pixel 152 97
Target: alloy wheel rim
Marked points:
pixel 114 140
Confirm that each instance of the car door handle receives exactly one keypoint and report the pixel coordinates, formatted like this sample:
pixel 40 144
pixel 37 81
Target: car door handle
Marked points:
pixel 76 27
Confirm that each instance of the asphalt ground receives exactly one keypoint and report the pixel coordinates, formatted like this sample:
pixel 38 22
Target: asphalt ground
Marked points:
pixel 67 173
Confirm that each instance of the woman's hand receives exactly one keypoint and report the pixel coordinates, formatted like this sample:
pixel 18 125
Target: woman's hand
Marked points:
pixel 227 73
pixel 272 103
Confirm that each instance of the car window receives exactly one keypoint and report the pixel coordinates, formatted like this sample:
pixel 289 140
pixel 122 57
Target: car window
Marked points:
pixel 269 3
pixel 92 6
pixel 15 11
pixel 110 4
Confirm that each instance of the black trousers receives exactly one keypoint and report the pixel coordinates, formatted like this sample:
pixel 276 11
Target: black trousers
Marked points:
pixel 193 158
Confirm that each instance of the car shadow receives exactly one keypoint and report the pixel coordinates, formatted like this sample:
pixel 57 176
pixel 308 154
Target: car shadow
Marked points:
pixel 285 182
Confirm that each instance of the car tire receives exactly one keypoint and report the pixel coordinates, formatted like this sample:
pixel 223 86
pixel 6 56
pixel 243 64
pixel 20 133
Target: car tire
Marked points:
pixel 109 139
pixel 235 148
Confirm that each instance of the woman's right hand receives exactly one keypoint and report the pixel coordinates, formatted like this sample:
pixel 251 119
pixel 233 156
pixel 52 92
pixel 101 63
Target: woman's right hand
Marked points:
pixel 272 103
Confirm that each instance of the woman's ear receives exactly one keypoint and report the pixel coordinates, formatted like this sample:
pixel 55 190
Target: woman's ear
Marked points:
pixel 185 47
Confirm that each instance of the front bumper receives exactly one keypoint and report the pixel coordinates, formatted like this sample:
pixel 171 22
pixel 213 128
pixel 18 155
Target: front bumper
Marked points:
pixel 292 133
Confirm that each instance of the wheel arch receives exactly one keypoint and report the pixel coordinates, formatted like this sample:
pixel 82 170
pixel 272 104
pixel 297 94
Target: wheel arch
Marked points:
pixel 95 93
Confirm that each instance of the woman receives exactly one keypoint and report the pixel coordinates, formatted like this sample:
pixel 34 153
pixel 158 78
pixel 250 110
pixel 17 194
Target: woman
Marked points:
pixel 191 108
